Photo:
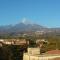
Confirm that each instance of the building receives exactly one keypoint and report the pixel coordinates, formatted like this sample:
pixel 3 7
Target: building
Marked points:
pixel 39 32
pixel 34 54
pixel 14 41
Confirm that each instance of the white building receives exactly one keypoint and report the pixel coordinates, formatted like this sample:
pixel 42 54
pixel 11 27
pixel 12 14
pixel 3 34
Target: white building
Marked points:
pixel 34 54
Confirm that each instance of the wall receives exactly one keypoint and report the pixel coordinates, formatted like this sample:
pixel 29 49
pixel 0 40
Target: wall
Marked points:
pixel 34 51
pixel 26 56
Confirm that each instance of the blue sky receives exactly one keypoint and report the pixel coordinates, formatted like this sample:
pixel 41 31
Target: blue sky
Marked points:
pixel 43 12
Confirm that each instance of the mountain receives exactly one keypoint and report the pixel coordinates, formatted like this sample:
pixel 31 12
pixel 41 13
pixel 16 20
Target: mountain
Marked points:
pixel 21 27
pixel 25 28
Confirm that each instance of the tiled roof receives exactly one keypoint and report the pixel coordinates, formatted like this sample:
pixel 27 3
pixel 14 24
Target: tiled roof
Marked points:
pixel 53 52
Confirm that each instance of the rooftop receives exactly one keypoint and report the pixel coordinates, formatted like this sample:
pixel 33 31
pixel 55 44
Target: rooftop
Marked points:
pixel 53 52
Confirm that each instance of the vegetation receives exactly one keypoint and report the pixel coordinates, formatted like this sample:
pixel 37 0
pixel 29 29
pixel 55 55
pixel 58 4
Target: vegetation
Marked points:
pixel 15 52
pixel 12 52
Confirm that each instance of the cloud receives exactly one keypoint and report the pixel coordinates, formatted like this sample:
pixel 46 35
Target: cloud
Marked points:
pixel 26 21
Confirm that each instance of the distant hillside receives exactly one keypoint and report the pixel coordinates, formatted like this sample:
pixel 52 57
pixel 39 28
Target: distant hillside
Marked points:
pixel 22 28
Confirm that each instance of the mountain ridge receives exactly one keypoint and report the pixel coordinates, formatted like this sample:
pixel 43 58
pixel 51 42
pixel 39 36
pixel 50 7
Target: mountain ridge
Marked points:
pixel 22 28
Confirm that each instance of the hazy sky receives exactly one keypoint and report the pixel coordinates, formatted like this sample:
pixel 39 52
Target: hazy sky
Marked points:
pixel 43 12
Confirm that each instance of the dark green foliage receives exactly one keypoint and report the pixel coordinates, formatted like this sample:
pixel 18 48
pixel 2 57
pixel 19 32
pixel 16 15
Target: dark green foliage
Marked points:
pixel 12 52
pixel 4 53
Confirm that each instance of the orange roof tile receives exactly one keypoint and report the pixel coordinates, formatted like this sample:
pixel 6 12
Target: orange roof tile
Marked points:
pixel 53 52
